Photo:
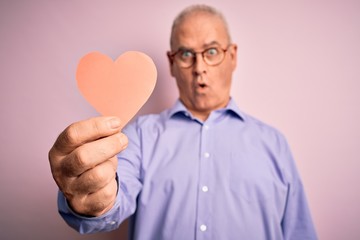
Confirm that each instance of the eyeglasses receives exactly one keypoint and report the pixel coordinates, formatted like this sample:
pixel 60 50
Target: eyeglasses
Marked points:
pixel 212 56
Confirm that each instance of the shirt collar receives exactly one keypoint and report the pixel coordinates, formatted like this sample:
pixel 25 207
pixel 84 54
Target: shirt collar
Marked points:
pixel 231 108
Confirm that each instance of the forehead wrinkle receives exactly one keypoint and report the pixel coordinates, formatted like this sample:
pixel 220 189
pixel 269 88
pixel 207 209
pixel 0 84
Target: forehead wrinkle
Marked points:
pixel 205 45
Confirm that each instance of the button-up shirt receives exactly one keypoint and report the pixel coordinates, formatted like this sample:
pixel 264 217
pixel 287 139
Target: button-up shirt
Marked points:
pixel 229 177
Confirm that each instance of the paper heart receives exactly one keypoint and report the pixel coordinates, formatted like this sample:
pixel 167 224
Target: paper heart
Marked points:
pixel 117 88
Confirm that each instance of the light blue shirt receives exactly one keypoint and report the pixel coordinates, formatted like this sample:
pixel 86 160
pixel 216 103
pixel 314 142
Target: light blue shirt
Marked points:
pixel 229 177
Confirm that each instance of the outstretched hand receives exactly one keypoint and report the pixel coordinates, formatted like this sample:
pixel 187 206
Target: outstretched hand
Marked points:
pixel 83 163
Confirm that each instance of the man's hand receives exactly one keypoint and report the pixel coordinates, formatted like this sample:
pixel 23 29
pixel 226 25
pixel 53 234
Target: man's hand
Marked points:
pixel 83 163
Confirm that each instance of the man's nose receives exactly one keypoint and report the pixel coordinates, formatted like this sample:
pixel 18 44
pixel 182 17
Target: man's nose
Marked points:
pixel 200 65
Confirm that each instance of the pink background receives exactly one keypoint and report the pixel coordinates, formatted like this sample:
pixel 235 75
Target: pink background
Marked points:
pixel 298 70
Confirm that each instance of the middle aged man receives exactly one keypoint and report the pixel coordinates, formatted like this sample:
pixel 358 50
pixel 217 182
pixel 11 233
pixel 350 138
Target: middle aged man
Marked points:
pixel 199 170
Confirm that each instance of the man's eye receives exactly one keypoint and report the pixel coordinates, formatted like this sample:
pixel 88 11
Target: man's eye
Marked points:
pixel 212 51
pixel 186 54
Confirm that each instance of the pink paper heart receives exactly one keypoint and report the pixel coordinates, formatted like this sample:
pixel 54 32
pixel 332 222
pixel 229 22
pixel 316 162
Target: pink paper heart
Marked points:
pixel 117 88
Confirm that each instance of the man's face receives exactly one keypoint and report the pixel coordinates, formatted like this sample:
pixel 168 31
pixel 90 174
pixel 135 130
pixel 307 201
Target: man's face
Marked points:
pixel 203 88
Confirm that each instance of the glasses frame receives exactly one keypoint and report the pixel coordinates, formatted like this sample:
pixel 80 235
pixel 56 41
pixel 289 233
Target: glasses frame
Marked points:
pixel 172 55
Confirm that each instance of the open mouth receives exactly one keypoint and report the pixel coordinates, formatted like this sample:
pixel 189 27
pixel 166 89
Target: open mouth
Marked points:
pixel 201 83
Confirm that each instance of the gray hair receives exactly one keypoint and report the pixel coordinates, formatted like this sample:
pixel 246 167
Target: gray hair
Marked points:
pixel 198 8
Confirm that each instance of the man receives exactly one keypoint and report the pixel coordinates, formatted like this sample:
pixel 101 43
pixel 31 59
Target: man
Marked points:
pixel 199 170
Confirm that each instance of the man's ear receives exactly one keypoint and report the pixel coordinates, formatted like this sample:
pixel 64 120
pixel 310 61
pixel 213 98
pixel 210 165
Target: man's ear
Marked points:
pixel 171 62
pixel 233 55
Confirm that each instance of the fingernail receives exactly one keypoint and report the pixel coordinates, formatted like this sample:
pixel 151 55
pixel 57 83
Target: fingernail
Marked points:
pixel 114 123
pixel 123 140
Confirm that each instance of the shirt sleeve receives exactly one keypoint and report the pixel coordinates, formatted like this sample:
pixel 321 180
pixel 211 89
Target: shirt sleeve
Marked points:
pixel 297 222
pixel 129 186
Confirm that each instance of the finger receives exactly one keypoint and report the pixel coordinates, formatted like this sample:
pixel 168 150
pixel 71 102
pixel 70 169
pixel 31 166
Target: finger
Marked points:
pixel 85 131
pixel 94 179
pixel 71 186
pixel 114 162
pixel 96 203
pixel 93 153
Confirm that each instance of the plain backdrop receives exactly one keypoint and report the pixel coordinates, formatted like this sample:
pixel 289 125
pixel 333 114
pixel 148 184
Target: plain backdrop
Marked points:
pixel 298 70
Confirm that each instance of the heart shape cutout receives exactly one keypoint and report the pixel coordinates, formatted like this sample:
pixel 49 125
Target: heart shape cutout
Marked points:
pixel 117 88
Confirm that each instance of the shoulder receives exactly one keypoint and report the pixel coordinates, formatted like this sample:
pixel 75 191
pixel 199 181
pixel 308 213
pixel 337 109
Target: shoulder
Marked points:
pixel 148 122
pixel 260 125
pixel 268 134
pixel 253 125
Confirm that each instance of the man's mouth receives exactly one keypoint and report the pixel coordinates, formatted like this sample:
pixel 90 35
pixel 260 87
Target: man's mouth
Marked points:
pixel 200 83
pixel 201 88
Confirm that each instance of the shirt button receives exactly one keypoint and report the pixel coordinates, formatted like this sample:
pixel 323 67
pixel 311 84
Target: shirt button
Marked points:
pixel 112 222
pixel 203 227
pixel 206 155
pixel 205 189
pixel 206 127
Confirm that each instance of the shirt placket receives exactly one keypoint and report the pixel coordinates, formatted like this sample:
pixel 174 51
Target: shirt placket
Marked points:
pixel 203 223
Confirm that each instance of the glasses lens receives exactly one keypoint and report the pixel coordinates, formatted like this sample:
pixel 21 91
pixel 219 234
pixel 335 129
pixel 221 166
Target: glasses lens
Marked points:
pixel 213 56
pixel 185 58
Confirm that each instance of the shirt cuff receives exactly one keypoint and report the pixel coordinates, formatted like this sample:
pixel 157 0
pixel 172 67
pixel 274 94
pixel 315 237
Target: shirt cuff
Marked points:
pixel 106 222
